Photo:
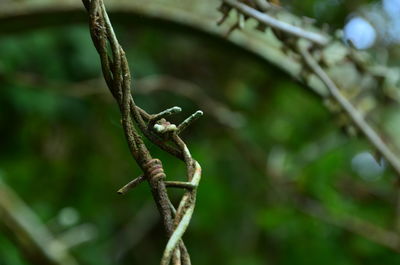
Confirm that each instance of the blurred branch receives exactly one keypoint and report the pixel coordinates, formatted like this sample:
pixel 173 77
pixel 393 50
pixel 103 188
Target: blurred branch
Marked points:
pixel 298 43
pixel 270 21
pixel 155 127
pixel 78 235
pixel 374 233
pixel 31 236
pixel 354 114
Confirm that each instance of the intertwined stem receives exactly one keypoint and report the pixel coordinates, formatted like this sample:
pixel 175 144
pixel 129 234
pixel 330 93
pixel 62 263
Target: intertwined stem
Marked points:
pixel 164 134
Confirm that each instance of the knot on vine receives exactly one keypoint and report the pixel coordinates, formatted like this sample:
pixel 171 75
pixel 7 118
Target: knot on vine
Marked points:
pixel 154 169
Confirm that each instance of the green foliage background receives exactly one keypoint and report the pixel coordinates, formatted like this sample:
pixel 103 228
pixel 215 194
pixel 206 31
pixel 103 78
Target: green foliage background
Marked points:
pixel 63 149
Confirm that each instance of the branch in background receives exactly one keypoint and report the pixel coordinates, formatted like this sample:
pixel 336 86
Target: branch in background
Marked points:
pixel 78 235
pixel 36 242
pixel 364 127
pixel 374 233
pixel 267 20
pixel 302 47
pixel 155 127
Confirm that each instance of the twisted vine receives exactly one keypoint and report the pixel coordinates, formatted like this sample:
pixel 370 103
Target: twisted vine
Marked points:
pixel 156 128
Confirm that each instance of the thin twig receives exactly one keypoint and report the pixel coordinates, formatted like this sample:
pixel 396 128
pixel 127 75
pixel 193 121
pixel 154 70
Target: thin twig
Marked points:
pixel 131 185
pixel 186 123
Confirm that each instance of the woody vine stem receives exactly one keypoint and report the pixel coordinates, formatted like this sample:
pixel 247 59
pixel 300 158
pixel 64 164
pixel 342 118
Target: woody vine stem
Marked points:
pixel 156 128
